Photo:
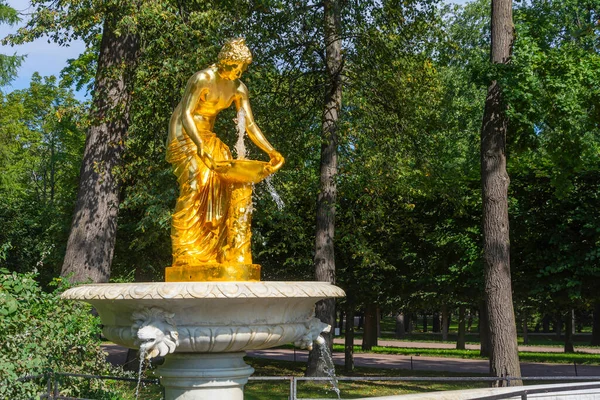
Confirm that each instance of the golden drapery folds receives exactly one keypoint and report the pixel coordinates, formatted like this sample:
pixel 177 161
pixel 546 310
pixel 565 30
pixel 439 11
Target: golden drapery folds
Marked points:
pixel 211 224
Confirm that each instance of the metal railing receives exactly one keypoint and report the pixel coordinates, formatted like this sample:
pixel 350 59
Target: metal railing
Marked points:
pixel 53 380
pixel 508 380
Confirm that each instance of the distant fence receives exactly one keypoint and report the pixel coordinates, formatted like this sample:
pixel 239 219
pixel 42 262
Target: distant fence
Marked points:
pixel 53 380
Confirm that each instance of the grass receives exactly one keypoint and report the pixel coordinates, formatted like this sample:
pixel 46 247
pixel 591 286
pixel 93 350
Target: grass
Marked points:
pixel 271 390
pixel 388 326
pixel 562 358
pixel 258 390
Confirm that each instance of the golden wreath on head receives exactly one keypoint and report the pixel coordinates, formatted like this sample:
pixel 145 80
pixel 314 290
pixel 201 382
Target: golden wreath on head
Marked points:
pixel 235 51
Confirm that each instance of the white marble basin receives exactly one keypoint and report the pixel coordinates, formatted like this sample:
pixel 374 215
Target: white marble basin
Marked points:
pixel 210 316
pixel 208 325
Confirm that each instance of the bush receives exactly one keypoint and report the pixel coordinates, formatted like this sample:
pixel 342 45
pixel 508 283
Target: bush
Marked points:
pixel 41 333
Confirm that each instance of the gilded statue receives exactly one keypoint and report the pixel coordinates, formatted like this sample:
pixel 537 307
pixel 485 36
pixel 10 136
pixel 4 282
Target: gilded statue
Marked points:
pixel 211 223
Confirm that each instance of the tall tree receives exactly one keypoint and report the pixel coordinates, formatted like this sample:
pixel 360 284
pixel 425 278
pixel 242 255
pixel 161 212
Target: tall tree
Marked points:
pixel 41 142
pixel 326 200
pixel 93 232
pixel 504 357
pixel 91 241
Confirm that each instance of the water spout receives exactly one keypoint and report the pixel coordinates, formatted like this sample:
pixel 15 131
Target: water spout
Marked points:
pixel 314 328
pixel 140 371
pixel 155 332
pixel 276 197
pixel 240 146
pixel 329 365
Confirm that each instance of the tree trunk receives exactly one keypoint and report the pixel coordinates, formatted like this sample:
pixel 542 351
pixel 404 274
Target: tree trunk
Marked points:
pixel 324 243
pixel 546 324
pixel 558 325
pixel 408 323
pixel 569 348
pixel 370 332
pixel 424 323
pixel 596 325
pixel 349 337
pixel 484 331
pixel 378 316
pixel 470 320
pixel 132 361
pixel 400 332
pixel 525 329
pixel 93 232
pixel 445 323
pixel 341 322
pixel 504 356
pixel 460 341
pixel 435 325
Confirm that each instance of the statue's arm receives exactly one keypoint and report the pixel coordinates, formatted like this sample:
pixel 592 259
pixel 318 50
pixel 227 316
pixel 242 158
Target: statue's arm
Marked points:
pixel 254 132
pixel 194 90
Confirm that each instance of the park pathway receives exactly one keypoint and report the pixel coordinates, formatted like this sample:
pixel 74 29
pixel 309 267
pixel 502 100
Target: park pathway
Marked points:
pixel 419 363
pixel 452 345
pixel 117 355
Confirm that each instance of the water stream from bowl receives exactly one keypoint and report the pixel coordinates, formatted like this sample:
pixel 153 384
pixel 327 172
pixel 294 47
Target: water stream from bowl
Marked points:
pixel 240 146
pixel 330 367
pixel 142 356
pixel 276 197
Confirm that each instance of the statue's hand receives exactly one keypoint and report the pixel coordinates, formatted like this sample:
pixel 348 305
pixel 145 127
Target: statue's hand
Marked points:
pixel 276 161
pixel 207 159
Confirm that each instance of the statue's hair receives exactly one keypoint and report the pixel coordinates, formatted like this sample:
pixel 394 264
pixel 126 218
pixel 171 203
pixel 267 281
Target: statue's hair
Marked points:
pixel 235 51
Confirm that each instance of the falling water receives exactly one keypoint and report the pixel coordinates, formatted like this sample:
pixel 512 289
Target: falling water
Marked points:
pixel 271 189
pixel 140 371
pixel 240 146
pixel 329 366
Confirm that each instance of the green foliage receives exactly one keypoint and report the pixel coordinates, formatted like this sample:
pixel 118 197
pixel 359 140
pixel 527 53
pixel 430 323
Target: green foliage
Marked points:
pixel 40 332
pixel 408 211
pixel 41 142
pixel 8 64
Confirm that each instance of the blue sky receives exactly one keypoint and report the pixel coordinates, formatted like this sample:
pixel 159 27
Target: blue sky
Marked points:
pixel 43 57
pixel 50 58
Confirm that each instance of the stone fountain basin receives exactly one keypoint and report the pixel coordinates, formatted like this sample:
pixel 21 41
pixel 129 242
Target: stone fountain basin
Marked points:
pixel 210 317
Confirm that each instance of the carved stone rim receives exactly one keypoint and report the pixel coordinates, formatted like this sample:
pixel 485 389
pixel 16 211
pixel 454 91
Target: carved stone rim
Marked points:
pixel 202 290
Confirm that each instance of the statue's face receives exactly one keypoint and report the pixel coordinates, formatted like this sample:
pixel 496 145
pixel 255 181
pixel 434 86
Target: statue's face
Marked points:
pixel 232 70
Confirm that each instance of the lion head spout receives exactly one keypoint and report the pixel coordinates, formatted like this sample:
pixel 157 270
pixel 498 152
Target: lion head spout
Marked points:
pixel 155 332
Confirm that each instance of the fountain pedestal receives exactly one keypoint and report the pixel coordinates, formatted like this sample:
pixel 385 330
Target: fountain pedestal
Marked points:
pixel 204 328
pixel 189 376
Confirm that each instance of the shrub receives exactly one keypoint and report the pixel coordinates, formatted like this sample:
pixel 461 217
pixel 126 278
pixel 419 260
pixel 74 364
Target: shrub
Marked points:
pixel 40 333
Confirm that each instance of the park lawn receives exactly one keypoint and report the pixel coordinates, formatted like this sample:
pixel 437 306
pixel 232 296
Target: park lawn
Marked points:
pixel 271 390
pixel 388 326
pixel 526 356
pixel 262 390
pixel 544 340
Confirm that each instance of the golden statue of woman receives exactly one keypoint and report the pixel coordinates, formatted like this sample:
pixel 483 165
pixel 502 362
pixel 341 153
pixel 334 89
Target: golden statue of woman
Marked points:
pixel 211 223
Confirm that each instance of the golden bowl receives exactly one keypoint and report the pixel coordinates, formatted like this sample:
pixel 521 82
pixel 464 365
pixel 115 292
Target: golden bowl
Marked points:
pixel 243 171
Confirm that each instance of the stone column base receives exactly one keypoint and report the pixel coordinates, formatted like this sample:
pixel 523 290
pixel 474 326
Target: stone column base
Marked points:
pixel 204 376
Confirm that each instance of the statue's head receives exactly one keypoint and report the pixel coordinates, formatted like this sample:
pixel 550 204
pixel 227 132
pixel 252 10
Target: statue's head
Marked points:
pixel 234 58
